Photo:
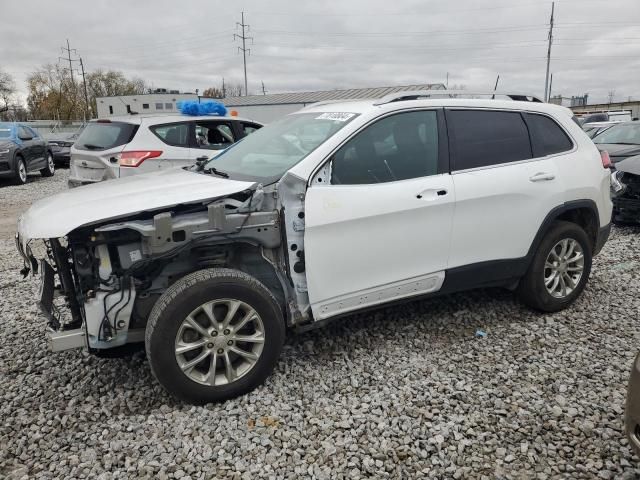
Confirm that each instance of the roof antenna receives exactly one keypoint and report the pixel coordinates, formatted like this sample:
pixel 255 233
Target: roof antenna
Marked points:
pixel 495 87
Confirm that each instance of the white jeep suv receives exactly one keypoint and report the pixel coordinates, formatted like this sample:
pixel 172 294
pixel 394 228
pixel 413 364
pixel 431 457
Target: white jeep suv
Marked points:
pixel 334 209
pixel 123 146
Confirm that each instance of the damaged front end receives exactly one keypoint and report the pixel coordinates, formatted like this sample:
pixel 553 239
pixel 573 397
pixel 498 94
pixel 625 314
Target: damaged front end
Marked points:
pixel 111 273
pixel 625 181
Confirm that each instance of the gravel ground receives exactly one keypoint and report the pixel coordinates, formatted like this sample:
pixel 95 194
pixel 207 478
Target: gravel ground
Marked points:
pixel 404 392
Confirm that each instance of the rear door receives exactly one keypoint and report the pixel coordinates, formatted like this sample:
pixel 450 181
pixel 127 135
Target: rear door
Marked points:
pixel 174 143
pixel 95 155
pixel 504 188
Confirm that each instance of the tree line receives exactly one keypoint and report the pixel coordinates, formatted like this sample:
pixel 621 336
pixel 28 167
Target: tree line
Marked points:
pixel 54 94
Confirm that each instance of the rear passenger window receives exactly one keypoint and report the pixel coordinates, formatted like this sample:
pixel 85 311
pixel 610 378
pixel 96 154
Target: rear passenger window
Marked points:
pixel 482 138
pixel 547 136
pixel 175 134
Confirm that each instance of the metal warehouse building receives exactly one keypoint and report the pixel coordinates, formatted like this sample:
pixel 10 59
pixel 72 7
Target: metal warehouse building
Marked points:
pixel 266 108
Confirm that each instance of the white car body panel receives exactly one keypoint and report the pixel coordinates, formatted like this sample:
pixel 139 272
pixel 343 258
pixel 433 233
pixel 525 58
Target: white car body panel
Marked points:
pixel 55 216
pixel 500 209
pixel 356 227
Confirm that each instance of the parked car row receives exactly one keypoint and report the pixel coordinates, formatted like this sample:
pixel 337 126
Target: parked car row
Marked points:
pixel 334 209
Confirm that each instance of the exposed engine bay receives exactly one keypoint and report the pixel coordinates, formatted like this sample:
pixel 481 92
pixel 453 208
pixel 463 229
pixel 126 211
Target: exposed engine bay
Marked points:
pixel 111 274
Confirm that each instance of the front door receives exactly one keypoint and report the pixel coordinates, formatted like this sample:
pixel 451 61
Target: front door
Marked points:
pixel 380 230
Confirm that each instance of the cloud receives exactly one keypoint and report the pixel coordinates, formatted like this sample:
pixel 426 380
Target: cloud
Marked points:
pixel 301 46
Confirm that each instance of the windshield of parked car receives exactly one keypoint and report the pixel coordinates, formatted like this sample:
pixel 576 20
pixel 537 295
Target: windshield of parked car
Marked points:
pixel 625 133
pixel 268 153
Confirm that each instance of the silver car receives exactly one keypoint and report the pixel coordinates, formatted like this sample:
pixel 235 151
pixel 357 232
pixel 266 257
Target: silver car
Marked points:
pixel 124 146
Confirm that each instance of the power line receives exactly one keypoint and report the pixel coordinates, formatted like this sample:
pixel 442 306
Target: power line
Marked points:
pixel 244 49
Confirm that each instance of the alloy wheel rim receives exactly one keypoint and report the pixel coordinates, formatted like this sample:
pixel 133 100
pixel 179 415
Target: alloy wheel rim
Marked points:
pixel 50 163
pixel 22 171
pixel 563 268
pixel 219 342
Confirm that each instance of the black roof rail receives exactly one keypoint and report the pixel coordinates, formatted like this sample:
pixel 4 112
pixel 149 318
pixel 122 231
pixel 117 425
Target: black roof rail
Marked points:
pixel 416 94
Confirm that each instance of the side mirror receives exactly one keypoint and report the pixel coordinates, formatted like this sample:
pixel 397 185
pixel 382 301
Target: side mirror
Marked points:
pixel 25 137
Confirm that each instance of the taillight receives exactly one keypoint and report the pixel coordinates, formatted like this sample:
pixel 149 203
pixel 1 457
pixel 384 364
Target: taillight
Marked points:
pixel 135 158
pixel 606 160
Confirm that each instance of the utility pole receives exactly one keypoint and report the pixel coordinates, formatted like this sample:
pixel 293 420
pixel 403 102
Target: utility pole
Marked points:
pixel 550 85
pixel 447 84
pixel 224 90
pixel 264 92
pixel 244 48
pixel 73 82
pixel 86 97
pixel 546 78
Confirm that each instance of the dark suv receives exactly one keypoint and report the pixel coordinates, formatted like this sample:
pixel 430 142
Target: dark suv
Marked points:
pixel 23 150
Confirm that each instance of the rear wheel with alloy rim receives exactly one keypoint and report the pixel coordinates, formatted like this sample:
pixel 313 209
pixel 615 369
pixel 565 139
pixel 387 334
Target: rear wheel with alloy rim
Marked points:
pixel 50 168
pixel 20 175
pixel 213 335
pixel 559 270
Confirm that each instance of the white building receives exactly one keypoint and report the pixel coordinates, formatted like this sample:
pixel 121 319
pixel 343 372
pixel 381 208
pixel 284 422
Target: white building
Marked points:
pixel 266 108
pixel 159 103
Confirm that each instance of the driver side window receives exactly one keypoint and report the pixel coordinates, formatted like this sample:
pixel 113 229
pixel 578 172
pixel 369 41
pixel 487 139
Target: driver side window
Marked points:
pixel 397 147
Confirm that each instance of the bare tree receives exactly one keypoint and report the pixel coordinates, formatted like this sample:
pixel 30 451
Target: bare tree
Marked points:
pixel 7 89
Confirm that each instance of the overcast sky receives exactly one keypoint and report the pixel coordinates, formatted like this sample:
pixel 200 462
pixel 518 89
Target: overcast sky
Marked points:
pixel 299 46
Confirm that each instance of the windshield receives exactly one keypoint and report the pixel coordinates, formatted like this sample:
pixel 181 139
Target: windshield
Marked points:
pixel 268 153
pixel 625 133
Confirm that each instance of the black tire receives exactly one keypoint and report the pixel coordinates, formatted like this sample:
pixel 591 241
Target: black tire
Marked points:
pixel 187 295
pixel 532 290
pixel 20 168
pixel 50 169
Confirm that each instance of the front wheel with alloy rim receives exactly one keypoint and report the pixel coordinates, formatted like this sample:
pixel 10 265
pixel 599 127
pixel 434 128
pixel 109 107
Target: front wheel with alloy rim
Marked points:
pixel 20 175
pixel 50 168
pixel 213 335
pixel 559 270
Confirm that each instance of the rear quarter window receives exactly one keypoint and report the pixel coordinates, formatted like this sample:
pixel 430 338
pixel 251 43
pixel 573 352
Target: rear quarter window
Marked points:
pixel 547 137
pixel 105 135
pixel 176 134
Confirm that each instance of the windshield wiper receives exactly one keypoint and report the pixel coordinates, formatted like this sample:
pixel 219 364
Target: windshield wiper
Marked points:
pixel 215 171
pixel 91 146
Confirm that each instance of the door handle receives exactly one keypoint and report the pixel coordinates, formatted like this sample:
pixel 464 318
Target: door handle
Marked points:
pixel 542 177
pixel 431 193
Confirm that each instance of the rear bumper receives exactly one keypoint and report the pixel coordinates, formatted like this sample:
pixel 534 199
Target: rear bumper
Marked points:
pixel 603 236
pixel 632 410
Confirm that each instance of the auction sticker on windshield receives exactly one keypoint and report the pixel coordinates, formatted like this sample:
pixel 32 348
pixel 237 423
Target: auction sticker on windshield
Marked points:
pixel 336 116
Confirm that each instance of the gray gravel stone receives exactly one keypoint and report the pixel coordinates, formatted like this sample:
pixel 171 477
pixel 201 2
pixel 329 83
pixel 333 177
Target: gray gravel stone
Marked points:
pixel 404 392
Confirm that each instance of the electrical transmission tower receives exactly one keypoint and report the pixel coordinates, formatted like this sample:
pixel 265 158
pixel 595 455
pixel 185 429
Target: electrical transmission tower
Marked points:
pixel 68 58
pixel 244 48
